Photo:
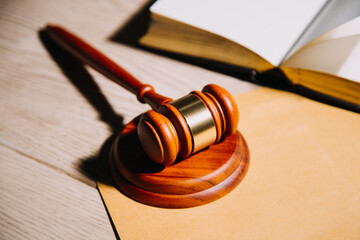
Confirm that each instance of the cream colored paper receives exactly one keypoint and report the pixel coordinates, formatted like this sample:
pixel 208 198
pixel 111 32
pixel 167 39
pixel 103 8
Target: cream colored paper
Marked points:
pixel 336 52
pixel 247 22
pixel 303 181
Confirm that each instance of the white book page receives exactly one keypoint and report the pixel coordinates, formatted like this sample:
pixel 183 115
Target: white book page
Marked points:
pixel 336 52
pixel 269 28
pixel 333 14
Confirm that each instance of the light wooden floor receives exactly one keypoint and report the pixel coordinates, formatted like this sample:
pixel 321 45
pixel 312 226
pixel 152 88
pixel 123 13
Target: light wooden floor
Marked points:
pixel 56 116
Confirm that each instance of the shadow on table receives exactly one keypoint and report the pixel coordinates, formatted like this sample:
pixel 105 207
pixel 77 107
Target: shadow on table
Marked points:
pixel 95 167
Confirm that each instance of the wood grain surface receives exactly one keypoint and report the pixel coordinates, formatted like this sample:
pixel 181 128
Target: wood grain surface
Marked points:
pixel 57 116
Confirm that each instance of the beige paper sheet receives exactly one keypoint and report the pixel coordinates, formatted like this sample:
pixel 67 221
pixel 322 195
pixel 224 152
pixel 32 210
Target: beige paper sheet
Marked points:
pixel 303 181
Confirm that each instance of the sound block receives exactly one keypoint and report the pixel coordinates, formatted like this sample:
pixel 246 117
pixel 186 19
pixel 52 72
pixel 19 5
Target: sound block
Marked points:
pixel 199 179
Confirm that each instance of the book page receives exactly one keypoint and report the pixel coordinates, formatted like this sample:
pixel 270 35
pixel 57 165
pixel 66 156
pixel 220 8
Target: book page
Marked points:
pixel 332 15
pixel 269 28
pixel 336 52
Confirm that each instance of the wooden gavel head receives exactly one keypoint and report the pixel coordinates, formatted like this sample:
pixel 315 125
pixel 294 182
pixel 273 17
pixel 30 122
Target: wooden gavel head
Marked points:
pixel 187 125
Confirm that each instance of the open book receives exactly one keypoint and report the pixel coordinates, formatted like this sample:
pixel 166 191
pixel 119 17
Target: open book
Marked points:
pixel 268 37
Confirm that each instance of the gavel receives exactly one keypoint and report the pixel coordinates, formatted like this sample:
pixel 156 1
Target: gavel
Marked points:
pixel 173 128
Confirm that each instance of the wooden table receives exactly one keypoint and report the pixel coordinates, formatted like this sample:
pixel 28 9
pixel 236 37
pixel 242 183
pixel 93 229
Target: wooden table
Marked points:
pixel 57 116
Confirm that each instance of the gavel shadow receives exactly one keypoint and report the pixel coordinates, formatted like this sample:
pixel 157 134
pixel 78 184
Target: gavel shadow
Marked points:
pixel 95 167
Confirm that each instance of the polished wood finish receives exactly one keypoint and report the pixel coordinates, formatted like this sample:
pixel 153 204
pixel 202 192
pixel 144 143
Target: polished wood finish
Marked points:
pixel 158 137
pixel 228 107
pixel 163 137
pixel 215 111
pixel 89 55
pixel 157 144
pixel 183 131
pixel 199 179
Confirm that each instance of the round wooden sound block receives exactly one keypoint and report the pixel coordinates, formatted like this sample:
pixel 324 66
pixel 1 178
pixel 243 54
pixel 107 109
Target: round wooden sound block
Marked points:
pixel 196 180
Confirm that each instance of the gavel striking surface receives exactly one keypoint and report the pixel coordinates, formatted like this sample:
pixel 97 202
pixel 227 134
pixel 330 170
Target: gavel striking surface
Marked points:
pixel 199 179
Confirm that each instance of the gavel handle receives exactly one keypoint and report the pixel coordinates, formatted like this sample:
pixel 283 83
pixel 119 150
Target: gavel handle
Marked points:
pixel 92 57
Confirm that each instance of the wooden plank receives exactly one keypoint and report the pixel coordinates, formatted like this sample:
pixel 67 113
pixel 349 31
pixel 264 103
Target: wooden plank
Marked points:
pixel 37 202
pixel 60 113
